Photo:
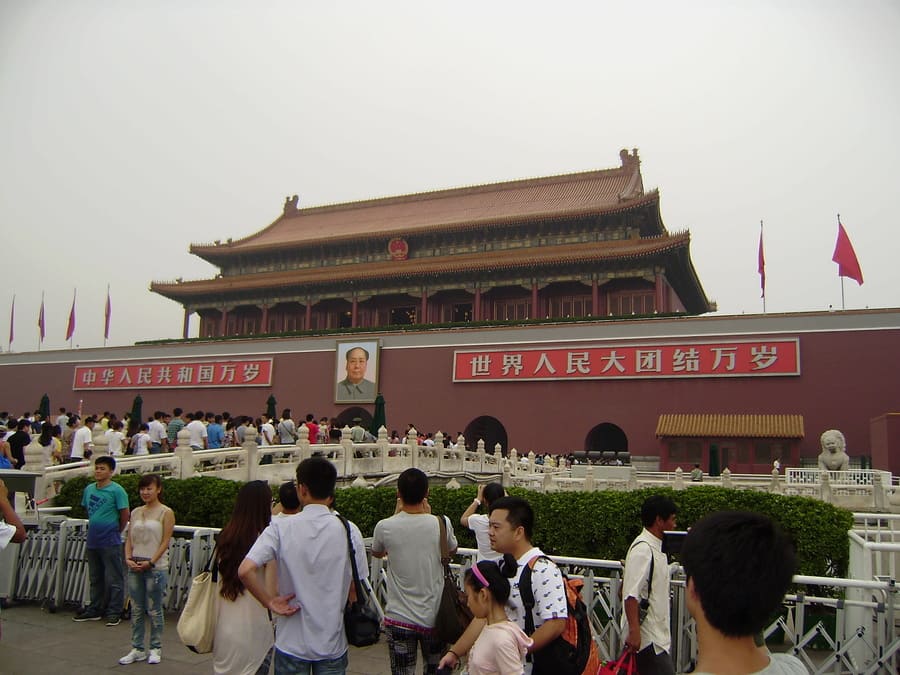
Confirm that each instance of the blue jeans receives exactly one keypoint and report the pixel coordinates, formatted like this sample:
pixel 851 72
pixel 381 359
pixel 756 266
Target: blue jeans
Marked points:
pixel 106 568
pixel 285 664
pixel 147 590
pixel 155 448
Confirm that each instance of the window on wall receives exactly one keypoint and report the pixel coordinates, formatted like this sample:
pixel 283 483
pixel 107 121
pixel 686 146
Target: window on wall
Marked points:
pixel 512 310
pixel 403 316
pixel 462 312
pixel 686 451
pixel 570 305
pixel 624 303
pixel 765 452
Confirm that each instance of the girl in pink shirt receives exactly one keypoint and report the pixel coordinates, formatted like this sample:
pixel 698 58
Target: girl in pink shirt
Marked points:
pixel 501 647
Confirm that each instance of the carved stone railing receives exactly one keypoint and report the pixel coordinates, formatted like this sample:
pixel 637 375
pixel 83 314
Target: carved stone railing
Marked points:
pixel 379 460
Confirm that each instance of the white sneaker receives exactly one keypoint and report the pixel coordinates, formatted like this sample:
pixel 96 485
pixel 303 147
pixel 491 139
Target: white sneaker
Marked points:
pixel 134 655
pixel 155 656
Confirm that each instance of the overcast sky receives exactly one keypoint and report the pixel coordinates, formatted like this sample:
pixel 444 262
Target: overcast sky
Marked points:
pixel 129 130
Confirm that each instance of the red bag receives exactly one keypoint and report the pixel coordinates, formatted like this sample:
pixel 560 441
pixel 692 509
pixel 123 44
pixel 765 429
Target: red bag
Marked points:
pixel 626 665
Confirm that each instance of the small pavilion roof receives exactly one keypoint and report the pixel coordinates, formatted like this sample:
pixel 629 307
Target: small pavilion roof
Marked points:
pixel 730 426
pixel 588 193
pixel 614 250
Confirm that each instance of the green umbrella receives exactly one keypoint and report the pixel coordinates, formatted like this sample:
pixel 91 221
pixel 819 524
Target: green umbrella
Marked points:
pixel 137 415
pixel 270 407
pixel 44 407
pixel 379 419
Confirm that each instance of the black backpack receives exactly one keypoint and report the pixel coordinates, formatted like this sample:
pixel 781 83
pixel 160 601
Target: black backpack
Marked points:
pixel 574 651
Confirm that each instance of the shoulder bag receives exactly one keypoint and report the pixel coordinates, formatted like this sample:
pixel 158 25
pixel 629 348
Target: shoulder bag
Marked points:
pixel 453 614
pixel 361 622
pixel 197 623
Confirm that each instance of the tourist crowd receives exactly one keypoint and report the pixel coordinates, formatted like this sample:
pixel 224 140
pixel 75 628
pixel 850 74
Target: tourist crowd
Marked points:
pixel 285 575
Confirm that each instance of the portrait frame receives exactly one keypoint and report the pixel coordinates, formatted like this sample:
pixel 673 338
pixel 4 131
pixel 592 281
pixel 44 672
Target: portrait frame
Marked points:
pixel 364 392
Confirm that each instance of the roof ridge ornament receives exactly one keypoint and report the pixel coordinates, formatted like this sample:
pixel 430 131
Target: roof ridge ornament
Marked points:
pixel 631 163
pixel 290 205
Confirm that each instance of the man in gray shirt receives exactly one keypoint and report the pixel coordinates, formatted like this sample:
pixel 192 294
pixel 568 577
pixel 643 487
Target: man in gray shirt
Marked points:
pixel 410 539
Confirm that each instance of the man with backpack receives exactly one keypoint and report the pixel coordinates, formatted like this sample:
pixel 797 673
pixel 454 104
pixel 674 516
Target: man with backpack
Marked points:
pixel 540 600
pixel 645 590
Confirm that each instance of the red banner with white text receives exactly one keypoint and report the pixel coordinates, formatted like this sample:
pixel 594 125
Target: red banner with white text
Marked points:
pixel 175 375
pixel 631 361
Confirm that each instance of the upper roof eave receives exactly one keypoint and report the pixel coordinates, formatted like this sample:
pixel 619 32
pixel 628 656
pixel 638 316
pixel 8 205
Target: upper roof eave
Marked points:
pixel 591 192
pixel 506 259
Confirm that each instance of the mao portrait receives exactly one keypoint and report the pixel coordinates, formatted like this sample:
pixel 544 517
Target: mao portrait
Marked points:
pixel 356 379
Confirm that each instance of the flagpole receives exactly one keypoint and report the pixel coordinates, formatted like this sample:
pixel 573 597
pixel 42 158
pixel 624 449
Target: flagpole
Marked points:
pixel 764 270
pixel 41 323
pixel 106 317
pixel 842 278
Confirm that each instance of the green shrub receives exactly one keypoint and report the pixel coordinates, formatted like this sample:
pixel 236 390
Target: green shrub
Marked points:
pixel 578 524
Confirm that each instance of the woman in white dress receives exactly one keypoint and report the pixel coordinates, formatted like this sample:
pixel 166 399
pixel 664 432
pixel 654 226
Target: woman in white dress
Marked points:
pixel 244 633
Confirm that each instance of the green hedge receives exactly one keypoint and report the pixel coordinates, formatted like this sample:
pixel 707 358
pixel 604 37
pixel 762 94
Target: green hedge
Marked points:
pixel 580 524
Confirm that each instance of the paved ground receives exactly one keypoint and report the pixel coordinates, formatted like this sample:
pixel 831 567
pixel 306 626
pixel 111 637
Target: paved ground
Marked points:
pixel 35 642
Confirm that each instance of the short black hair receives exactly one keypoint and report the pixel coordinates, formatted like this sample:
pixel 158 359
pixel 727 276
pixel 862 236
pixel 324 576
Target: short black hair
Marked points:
pixel 177 412
pixel 519 513
pixel 656 505
pixel 492 492
pixel 287 495
pixel 106 459
pixel 412 486
pixel 318 475
pixel 741 564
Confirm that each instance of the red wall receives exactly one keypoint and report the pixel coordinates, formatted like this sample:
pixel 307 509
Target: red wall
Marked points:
pixel 848 377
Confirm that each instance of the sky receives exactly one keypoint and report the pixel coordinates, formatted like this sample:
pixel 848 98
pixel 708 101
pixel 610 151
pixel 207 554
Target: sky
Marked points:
pixel 129 130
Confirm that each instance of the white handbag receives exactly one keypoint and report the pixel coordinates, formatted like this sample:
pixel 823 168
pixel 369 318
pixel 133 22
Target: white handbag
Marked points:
pixel 197 623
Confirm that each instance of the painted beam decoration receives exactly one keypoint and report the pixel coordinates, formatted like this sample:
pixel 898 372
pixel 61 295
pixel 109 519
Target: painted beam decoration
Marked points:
pixel 175 375
pixel 630 361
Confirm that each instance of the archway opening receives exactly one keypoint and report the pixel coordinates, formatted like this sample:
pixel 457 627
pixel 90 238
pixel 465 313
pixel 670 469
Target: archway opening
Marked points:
pixel 490 430
pixel 606 443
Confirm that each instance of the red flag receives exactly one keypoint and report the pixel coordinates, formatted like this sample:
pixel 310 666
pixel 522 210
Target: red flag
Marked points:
pixel 761 264
pixel 845 257
pixel 107 315
pixel 41 325
pixel 12 320
pixel 70 328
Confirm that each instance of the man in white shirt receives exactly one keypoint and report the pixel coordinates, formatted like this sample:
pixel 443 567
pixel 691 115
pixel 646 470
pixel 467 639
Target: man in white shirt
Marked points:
pixel 739 565
pixel 83 441
pixel 645 586
pixel 157 431
pixel 314 575
pixel 197 430
pixel 511 527
pixel 411 539
pixel 266 431
pixel 479 523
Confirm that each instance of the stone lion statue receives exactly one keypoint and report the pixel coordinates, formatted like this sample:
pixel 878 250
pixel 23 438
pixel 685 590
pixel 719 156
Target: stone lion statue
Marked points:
pixel 833 456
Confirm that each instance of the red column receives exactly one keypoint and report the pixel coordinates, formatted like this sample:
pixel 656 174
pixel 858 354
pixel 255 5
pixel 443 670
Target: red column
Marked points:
pixel 308 314
pixel 264 328
pixel 187 323
pixel 423 313
pixel 476 309
pixel 661 295
pixel 224 327
pixel 595 298
pixel 534 301
pixel 354 306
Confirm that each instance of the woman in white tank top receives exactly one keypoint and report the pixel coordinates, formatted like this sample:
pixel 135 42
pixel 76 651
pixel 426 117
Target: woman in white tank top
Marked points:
pixel 147 557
